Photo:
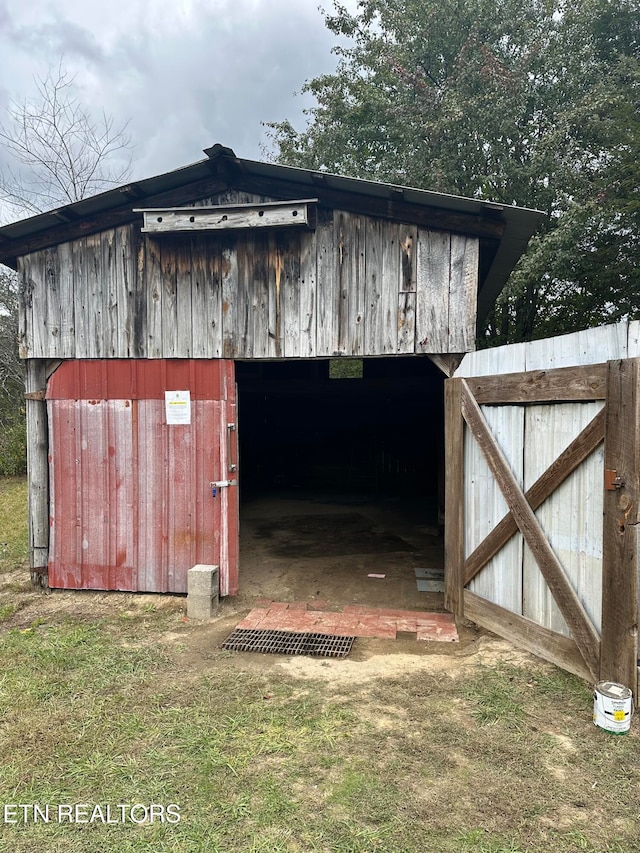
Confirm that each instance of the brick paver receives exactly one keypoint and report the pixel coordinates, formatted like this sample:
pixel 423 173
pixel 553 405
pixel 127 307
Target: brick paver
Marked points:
pixel 354 620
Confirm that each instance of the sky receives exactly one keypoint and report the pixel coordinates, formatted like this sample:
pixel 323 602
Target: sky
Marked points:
pixel 185 74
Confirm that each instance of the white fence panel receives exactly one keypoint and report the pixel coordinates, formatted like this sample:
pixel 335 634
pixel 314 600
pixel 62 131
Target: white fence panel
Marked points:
pixel 531 438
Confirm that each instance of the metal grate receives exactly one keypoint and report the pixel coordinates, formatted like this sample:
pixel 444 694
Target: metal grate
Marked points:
pixel 288 643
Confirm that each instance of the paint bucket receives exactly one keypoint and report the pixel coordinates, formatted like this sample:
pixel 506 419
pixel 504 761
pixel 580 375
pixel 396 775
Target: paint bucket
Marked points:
pixel 612 707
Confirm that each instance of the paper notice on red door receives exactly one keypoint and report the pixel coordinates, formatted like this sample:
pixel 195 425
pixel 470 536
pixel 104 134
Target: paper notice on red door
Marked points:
pixel 178 407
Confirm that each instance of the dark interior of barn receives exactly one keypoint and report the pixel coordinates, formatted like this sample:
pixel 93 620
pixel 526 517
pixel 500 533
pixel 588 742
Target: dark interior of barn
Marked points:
pixel 340 473
pixel 369 427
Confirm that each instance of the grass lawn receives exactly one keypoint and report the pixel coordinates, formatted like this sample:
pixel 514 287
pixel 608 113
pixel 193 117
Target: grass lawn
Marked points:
pixel 487 752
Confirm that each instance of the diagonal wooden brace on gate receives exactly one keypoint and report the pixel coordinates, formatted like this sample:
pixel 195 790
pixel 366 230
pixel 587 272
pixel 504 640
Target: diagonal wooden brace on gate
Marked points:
pixel 569 460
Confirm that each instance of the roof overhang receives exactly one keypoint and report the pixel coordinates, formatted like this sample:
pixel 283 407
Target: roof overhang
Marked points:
pixel 504 231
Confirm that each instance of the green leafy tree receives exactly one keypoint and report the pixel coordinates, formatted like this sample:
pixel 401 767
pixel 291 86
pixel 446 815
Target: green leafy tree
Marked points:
pixel 521 101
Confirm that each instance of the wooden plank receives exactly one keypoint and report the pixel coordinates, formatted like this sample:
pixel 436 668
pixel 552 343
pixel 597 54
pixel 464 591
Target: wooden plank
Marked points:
pixel 263 326
pixel 562 384
pixel 38 468
pixel 25 302
pixel 571 516
pixel 326 291
pixel 200 290
pixel 308 294
pixel 153 275
pixel 65 289
pixel 183 313
pixel 244 297
pixel 131 251
pixel 406 322
pixel 351 276
pixel 454 498
pixel 225 217
pixel 343 248
pixel 391 281
pixel 36 292
pixel 50 316
pixel 485 505
pixel 463 293
pixel 556 648
pixel 289 329
pixel 580 448
pixel 280 306
pixel 115 298
pixel 80 297
pixel 432 282
pixel 577 619
pixel 501 580
pixel 230 274
pixel 408 238
pixel 130 306
pixel 168 267
pixel 619 646
pixel 212 260
pixel 95 304
pixel 373 326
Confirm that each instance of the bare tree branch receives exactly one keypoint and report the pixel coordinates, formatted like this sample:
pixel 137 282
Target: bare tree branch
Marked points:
pixel 60 154
pixel 63 153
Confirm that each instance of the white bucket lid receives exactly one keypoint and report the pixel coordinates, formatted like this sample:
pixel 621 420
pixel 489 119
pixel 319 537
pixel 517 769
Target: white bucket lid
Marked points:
pixel 613 690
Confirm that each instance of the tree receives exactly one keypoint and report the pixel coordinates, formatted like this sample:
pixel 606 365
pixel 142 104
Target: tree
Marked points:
pixel 12 428
pixel 62 154
pixel 533 102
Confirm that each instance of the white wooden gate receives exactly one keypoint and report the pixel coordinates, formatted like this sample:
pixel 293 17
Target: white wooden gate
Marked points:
pixel 540 541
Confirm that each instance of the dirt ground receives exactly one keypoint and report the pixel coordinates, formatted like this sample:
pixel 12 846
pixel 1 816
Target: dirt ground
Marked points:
pixel 305 548
pixel 298 549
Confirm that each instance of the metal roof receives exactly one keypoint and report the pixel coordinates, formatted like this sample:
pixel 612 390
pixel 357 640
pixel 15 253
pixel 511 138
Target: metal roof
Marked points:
pixel 512 226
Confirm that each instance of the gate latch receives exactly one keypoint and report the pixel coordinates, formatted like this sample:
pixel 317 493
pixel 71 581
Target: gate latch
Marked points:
pixel 612 481
pixel 221 484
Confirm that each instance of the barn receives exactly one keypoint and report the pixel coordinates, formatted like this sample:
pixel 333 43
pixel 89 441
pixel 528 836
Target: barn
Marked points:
pixel 235 328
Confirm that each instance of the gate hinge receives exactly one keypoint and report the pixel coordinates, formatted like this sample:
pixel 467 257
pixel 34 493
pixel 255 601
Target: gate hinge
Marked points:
pixel 612 481
pixel 35 395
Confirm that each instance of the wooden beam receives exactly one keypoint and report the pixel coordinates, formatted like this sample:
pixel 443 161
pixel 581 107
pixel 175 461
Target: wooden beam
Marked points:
pixel 454 498
pixel 562 384
pixel 571 458
pixel 227 217
pixel 619 645
pixel 38 468
pixel 563 592
pixel 540 641
pixel 448 363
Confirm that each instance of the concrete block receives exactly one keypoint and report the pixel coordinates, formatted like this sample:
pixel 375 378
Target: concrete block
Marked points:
pixel 202 592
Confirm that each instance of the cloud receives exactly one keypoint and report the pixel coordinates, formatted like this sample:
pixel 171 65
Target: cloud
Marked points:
pixel 185 74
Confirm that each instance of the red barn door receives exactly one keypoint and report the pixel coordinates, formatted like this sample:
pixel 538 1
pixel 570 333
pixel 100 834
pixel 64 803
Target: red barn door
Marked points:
pixel 134 448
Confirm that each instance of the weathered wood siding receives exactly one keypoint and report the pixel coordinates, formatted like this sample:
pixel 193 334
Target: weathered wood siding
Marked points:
pixel 531 437
pixel 352 286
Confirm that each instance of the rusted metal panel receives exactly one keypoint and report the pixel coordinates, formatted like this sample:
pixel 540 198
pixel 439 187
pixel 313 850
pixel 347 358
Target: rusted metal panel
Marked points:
pixel 131 505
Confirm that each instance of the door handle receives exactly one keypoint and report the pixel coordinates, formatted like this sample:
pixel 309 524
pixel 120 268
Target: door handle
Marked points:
pixel 230 445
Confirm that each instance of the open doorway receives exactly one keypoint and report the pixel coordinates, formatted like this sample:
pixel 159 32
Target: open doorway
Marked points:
pixel 340 471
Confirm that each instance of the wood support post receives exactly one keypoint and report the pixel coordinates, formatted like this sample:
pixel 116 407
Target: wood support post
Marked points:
pixel 454 498
pixel 38 469
pixel 619 637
